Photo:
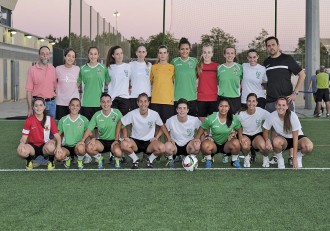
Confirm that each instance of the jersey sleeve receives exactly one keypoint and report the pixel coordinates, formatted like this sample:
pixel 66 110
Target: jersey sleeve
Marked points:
pixel 294 66
pixel 92 123
pixel 168 124
pixel 152 74
pixel 127 119
pixel 53 127
pixel 159 121
pixel 206 124
pixel 26 128
pixel 197 123
pixel 79 80
pixel 268 123
pixel 237 123
pixel 295 123
pixel 107 77
pixel 60 125
pixel 240 71
pixel 86 122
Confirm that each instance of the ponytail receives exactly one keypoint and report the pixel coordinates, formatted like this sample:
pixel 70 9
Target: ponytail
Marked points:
pixel 199 66
pixel 287 126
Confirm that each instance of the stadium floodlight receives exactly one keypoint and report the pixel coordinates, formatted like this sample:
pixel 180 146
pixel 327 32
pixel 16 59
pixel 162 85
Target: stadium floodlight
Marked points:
pixel 12 31
pixel 28 36
pixel 116 14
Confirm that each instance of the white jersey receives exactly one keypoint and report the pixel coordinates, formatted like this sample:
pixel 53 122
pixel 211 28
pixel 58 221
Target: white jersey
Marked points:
pixel 252 124
pixel 182 133
pixel 140 78
pixel 119 83
pixel 143 128
pixel 274 121
pixel 253 77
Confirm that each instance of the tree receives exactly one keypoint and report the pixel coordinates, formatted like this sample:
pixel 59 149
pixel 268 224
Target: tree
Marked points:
pixel 219 40
pixel 135 43
pixel 259 41
pixel 154 41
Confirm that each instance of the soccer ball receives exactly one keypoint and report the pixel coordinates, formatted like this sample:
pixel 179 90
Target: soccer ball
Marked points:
pixel 190 163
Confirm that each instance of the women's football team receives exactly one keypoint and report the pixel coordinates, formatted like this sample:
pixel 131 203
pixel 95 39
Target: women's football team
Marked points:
pixel 224 113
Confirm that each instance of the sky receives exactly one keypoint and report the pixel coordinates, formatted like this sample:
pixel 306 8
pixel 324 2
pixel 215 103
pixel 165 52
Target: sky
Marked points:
pixel 243 19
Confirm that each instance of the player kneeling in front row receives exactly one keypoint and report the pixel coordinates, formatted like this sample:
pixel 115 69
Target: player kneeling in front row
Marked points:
pixel 289 134
pixel 182 128
pixel 223 126
pixel 106 121
pixel 72 128
pixel 36 131
pixel 143 138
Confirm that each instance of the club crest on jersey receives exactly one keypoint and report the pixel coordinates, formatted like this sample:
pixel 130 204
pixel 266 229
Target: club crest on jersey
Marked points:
pixel 79 124
pixel 235 70
pixel 150 124
pixel 190 64
pixel 189 132
pixel 126 73
pixel 147 72
pixel 46 127
pixel 258 73
pixel 113 118
pixel 98 70
pixel 258 123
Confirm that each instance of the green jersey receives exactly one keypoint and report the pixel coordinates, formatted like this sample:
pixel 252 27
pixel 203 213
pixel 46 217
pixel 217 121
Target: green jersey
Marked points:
pixel 322 80
pixel 73 130
pixel 106 125
pixel 185 78
pixel 220 131
pixel 229 80
pixel 92 80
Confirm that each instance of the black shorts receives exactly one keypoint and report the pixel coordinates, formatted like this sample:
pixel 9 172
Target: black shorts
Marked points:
pixel 192 107
pixel 71 150
pixel 88 112
pixel 37 149
pixel 106 144
pixel 61 111
pixel 122 104
pixel 234 103
pixel 220 149
pixel 142 145
pixel 182 150
pixel 290 141
pixel 205 108
pixel 252 138
pixel 322 94
pixel 165 111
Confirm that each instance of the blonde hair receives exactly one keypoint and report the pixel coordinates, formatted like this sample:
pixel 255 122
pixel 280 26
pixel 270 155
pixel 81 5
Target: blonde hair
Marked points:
pixel 199 66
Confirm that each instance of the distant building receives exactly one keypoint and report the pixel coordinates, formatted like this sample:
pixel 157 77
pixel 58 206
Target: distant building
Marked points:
pixel 6 8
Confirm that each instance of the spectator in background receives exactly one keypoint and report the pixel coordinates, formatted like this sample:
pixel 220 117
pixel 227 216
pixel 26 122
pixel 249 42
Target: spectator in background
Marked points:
pixel 67 89
pixel 41 82
pixel 322 93
pixel 312 87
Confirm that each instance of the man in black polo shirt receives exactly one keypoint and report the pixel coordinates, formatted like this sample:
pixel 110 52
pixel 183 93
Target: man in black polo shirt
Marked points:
pixel 279 68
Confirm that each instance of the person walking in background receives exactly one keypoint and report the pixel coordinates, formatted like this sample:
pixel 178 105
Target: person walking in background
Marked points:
pixel 35 140
pixel 322 93
pixel 120 73
pixel 207 89
pixel 162 84
pixel 140 76
pixel 67 76
pixel 254 75
pixel 229 80
pixel 92 76
pixel 185 76
pixel 41 82
pixel 312 87
pixel 279 69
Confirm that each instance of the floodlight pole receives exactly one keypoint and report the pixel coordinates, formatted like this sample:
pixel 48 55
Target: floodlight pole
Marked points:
pixel 275 34
pixel 164 6
pixel 70 3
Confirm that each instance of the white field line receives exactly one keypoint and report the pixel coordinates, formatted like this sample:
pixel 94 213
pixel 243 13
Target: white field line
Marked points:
pixel 160 169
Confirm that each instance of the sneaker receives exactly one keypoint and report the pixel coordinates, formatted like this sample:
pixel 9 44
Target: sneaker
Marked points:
pixel 319 115
pixel 117 165
pixel 39 160
pixel 208 164
pixel 290 161
pixel 29 165
pixel 280 163
pixel 123 160
pixel 87 159
pixel 149 164
pixel 236 164
pixel 203 159
pixel 247 163
pixel 273 160
pixel 50 165
pixel 265 162
pixel 67 163
pixel 171 164
pixel 299 160
pixel 111 159
pixel 100 163
pixel 135 165
pixel 80 164
pixel 225 159
pixel 327 115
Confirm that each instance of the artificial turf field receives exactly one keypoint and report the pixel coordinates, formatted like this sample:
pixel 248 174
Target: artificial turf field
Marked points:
pixel 219 199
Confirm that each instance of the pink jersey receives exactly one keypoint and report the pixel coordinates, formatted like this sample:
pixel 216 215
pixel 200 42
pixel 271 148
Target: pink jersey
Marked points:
pixel 41 81
pixel 36 133
pixel 207 89
pixel 66 84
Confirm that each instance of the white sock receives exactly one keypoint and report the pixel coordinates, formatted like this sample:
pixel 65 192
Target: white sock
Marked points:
pixel 299 154
pixel 170 157
pixel 208 157
pixel 133 156
pixel 152 157
pixel 98 156
pixel 110 155
pixel 80 158
pixel 234 157
pixel 278 155
pixel 66 158
pixel 266 158
pixel 194 155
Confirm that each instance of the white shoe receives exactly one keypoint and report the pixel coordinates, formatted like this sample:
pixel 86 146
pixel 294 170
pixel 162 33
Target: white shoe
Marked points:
pixel 87 159
pixel 280 163
pixel 225 159
pixel 247 163
pixel 299 159
pixel 265 162
pixel 273 160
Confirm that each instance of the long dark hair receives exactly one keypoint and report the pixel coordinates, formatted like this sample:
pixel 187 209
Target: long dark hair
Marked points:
pixel 110 59
pixel 230 116
pixel 287 126
pixel 43 121
pixel 247 98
